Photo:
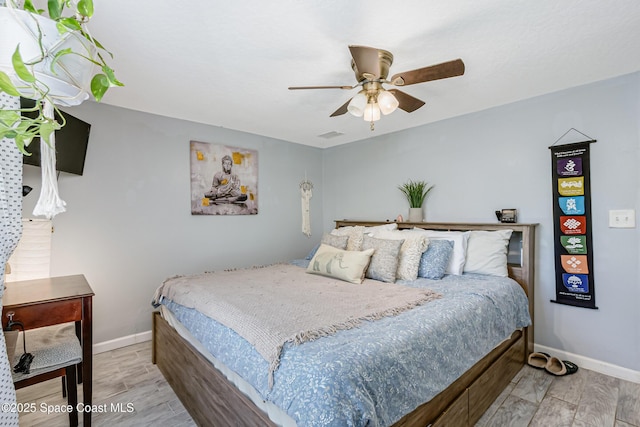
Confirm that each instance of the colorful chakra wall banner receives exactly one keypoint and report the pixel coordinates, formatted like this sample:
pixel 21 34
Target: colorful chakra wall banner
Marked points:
pixel 572 225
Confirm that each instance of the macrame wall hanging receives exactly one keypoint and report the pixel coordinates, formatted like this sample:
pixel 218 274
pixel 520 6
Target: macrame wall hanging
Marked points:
pixel 305 191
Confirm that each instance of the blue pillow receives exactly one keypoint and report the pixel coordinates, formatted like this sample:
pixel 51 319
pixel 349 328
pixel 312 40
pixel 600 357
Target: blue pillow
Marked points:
pixel 312 253
pixel 435 259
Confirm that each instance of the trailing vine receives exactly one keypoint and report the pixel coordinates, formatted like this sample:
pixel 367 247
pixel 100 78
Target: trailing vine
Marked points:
pixel 69 16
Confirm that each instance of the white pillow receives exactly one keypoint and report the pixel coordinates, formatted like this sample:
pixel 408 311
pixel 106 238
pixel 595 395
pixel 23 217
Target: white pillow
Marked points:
pixel 387 227
pixel 487 252
pixel 344 265
pixel 355 234
pixel 459 254
pixel 410 251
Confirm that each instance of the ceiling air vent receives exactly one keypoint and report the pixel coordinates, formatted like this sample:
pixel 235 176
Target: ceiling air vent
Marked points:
pixel 330 135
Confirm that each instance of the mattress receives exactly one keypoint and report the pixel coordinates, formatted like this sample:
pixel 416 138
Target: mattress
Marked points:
pixel 374 374
pixel 277 415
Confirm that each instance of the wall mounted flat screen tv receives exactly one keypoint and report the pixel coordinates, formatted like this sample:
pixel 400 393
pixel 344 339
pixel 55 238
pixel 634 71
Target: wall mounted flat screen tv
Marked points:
pixel 71 143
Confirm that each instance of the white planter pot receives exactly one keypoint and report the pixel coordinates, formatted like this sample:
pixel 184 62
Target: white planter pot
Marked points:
pixel 70 82
pixel 415 214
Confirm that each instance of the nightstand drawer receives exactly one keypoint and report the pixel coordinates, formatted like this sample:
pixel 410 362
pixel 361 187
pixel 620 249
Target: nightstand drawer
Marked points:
pixel 51 313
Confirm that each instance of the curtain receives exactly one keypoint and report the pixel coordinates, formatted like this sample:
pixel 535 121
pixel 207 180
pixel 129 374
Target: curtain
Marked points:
pixel 10 232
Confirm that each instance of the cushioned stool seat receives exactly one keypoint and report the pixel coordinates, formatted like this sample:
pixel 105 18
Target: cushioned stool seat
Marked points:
pixel 56 351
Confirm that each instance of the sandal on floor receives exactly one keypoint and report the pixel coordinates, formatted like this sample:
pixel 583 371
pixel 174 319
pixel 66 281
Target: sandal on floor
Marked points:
pixel 572 368
pixel 538 360
pixel 559 367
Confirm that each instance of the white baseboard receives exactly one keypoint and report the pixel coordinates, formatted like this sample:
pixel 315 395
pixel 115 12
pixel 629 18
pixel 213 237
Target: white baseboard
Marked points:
pixel 592 364
pixel 101 347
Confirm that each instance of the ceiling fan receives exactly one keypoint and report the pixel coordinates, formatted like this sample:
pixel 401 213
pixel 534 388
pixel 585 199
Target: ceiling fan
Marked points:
pixel 371 67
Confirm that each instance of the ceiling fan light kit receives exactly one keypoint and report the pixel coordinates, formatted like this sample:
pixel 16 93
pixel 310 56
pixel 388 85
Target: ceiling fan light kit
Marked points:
pixel 358 103
pixel 387 102
pixel 371 68
pixel 372 113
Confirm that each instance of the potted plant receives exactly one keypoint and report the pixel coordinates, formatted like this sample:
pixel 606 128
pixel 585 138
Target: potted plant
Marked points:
pixel 415 192
pixel 48 56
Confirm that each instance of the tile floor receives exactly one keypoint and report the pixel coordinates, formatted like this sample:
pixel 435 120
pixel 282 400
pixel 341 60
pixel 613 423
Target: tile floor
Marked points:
pixel 533 398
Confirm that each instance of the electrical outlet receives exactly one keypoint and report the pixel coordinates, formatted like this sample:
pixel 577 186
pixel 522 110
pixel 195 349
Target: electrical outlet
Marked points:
pixel 624 218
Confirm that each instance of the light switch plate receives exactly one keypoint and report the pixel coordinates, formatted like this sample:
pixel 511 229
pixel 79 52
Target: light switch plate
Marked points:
pixel 622 218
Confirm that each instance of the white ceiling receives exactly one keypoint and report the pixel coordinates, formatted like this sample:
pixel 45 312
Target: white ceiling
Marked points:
pixel 229 63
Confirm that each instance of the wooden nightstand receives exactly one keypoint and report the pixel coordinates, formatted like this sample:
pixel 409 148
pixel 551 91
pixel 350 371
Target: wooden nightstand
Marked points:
pixel 52 301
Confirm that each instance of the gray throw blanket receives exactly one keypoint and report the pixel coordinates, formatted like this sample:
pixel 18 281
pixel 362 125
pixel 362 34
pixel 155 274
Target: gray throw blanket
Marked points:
pixel 269 306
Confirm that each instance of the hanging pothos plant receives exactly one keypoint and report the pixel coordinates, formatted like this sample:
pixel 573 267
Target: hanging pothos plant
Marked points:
pixel 34 78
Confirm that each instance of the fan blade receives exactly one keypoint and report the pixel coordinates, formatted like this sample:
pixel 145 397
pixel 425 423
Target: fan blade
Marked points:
pixel 366 60
pixel 319 87
pixel 343 109
pixel 433 72
pixel 407 102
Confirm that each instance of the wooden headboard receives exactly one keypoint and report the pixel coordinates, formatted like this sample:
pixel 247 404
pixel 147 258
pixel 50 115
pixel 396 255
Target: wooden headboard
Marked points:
pixel 520 258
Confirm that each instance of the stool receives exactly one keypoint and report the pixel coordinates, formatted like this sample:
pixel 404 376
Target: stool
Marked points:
pixel 56 351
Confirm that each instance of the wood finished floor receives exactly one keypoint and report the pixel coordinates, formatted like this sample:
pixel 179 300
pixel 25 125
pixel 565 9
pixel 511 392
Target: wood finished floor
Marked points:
pixel 533 398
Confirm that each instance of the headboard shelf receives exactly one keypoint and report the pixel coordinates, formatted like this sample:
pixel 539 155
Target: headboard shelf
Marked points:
pixel 520 255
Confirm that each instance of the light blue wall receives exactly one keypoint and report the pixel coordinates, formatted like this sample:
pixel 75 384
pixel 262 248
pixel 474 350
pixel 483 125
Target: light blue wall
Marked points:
pixel 128 224
pixel 499 158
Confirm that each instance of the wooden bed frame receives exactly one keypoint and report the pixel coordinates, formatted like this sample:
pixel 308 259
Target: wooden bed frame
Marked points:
pixel 209 396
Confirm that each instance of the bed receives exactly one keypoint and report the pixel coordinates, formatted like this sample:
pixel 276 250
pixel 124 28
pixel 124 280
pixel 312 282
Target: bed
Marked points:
pixel 212 395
